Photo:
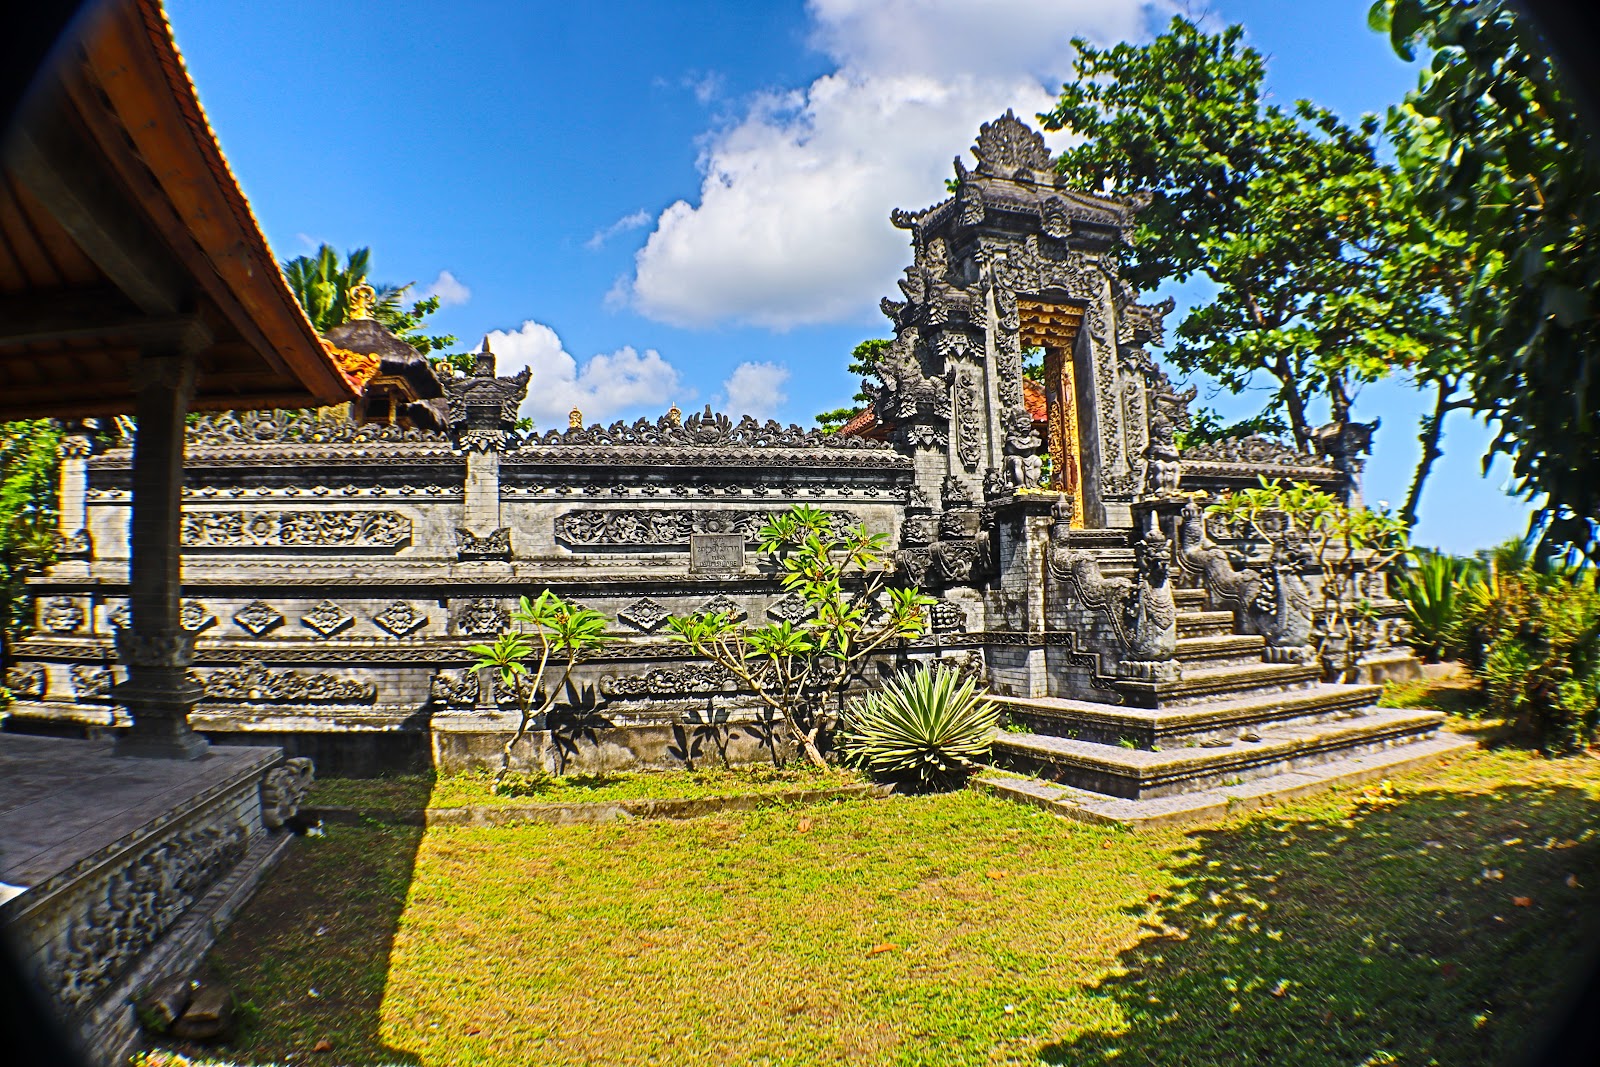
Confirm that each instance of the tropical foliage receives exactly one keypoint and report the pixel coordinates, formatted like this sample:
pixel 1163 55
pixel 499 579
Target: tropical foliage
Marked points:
pixel 543 630
pixel 325 288
pixel 928 728
pixel 1494 148
pixel 28 498
pixel 841 577
pixel 1434 590
pixel 863 364
pixel 1348 548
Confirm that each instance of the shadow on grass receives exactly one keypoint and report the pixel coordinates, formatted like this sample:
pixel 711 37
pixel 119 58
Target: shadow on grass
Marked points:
pixel 1436 928
pixel 308 957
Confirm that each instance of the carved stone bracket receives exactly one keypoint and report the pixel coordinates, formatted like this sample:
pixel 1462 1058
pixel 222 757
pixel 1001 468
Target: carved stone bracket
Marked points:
pixel 284 789
pixel 492 546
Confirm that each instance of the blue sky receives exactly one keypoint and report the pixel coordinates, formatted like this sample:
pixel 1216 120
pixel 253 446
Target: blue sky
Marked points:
pixel 687 202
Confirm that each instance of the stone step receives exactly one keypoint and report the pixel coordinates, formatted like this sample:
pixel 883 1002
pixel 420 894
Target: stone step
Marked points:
pixel 1220 683
pixel 1220 650
pixel 1204 623
pixel 1171 728
pixel 1189 599
pixel 1213 805
pixel 1138 774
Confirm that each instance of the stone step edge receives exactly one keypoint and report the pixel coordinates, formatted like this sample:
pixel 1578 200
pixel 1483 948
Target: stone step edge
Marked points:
pixel 1168 764
pixel 592 811
pixel 1215 805
pixel 1252 709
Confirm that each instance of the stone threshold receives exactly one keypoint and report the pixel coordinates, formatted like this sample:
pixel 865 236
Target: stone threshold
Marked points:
pixel 581 813
pixel 1217 804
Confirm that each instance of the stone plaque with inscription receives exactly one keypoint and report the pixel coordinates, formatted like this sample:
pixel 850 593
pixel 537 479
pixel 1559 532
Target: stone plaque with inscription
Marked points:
pixel 716 553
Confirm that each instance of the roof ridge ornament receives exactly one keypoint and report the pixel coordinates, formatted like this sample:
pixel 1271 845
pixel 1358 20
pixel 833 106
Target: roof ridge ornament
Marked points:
pixel 1008 143
pixel 362 299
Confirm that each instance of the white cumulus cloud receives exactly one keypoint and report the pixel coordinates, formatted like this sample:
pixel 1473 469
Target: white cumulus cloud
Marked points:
pixel 448 288
pixel 755 389
pixel 791 225
pixel 604 387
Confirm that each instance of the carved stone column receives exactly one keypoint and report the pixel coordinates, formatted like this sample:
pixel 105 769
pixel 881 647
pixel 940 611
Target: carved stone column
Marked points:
pixel 72 537
pixel 156 650
pixel 1022 549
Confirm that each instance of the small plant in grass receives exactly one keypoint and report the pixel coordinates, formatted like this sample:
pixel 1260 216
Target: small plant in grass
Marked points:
pixel 928 727
pixel 543 629
pixel 851 611
pixel 1434 592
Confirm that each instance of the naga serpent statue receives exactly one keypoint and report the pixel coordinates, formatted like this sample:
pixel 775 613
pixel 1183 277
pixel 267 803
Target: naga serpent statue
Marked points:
pixel 1275 604
pixel 1141 608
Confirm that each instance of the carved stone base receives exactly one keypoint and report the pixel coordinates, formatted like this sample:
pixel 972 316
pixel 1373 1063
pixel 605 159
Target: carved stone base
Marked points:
pixel 1159 670
pixel 1289 654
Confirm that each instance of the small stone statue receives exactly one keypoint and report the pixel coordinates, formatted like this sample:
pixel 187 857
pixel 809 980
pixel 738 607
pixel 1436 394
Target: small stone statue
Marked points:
pixel 1166 466
pixel 1024 464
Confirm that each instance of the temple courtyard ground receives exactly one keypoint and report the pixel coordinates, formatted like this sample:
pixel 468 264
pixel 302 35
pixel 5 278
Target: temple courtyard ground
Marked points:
pixel 1434 918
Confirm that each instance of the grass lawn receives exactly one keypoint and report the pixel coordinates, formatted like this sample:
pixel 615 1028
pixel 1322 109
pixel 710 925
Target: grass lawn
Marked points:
pixel 1429 922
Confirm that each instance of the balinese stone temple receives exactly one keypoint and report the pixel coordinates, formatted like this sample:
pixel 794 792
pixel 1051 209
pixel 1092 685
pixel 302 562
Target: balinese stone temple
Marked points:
pixel 336 562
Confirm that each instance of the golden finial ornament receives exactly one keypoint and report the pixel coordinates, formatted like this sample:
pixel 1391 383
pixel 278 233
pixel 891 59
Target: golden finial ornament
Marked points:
pixel 362 297
pixel 674 416
pixel 574 419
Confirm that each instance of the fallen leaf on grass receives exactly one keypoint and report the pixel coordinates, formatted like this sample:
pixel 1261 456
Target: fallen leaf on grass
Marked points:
pixel 885 947
pixel 1281 988
pixel 1572 881
pixel 1522 902
pixel 805 826
pixel 997 875
pixel 1105 844
pixel 322 1046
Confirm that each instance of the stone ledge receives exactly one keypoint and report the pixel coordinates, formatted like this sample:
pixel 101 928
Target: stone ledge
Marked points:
pixel 1214 805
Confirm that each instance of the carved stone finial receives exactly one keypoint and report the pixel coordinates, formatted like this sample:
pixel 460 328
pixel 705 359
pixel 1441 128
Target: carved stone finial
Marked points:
pixel 1008 143
pixel 574 419
pixel 362 297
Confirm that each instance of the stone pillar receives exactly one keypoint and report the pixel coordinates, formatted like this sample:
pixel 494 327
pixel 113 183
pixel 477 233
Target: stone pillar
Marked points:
pixel 1022 527
pixel 72 535
pixel 481 493
pixel 156 650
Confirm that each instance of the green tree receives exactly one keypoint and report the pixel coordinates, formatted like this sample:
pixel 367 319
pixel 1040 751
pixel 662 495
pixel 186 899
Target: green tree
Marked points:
pixel 841 576
pixel 29 467
pixel 1289 214
pixel 543 629
pixel 324 288
pixel 863 364
pixel 1492 142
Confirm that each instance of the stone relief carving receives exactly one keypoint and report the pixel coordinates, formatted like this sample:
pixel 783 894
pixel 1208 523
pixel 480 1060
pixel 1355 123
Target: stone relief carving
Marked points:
pixel 91 682
pixel 1254 450
pixel 496 545
pixel 61 614
pixel 27 681
pixel 791 609
pixel 482 617
pixel 284 789
pixel 453 690
pixel 664 527
pixel 1140 609
pixel 138 904
pixel 294 426
pixel 121 616
pixel 947 617
pixel 1024 464
pixel 703 430
pixel 258 617
pixel 961 562
pixel 1008 143
pixel 194 616
pixel 253 682
pixel 724 605
pixel 400 618
pixel 1277 605
pixel 295 529
pixel 968 422
pixel 74 546
pixel 686 680
pixel 643 614
pixel 327 619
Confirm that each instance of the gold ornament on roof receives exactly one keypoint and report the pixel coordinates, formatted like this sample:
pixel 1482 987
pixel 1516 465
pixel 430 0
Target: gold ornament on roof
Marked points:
pixel 574 419
pixel 674 416
pixel 362 297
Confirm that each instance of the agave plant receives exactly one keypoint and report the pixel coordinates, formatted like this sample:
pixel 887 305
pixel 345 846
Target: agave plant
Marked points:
pixel 1433 592
pixel 928 728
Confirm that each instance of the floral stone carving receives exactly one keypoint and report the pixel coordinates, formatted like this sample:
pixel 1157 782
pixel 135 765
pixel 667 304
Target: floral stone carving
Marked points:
pixel 453 690
pixel 194 617
pixel 90 682
pixel 400 618
pixel 482 617
pixel 496 545
pixel 687 680
pixel 790 609
pixel 253 682
pixel 283 790
pixel 27 681
pixel 328 618
pixel 61 614
pixel 643 614
pixel 258 617
pixel 724 605
pixel 295 529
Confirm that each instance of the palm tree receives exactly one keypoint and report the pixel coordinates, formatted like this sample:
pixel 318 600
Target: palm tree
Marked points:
pixel 325 288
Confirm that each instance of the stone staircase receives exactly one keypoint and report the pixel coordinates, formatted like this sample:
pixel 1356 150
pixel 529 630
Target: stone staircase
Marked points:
pixel 1234 732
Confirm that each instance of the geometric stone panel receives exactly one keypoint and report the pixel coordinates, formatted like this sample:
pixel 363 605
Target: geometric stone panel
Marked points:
pixel 400 618
pixel 643 614
pixel 328 618
pixel 258 617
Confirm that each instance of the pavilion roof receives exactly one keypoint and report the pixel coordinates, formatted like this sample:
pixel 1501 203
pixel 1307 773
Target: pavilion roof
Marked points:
pixel 123 232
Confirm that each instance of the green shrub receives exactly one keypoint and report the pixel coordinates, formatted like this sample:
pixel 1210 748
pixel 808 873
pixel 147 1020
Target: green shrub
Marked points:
pixel 927 728
pixel 1434 591
pixel 1541 660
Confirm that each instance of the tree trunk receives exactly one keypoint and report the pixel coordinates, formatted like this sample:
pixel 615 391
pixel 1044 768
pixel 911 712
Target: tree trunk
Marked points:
pixel 1429 435
pixel 1298 425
